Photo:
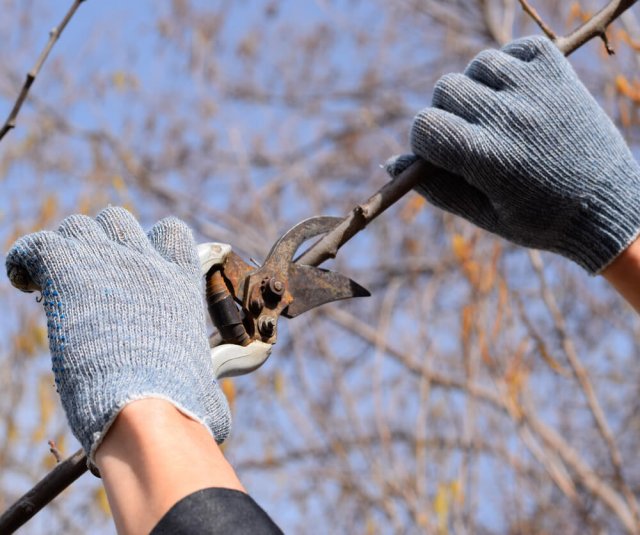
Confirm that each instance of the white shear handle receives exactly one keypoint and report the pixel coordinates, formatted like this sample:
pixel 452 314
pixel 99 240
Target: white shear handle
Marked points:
pixel 230 360
pixel 212 254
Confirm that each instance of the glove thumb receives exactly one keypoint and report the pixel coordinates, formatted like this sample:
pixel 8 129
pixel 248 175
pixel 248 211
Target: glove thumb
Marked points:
pixel 395 165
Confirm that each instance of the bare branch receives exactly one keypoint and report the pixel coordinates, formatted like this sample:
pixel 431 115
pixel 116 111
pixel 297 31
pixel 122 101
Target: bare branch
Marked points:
pixel 555 457
pixel 530 10
pixel 54 35
pixel 588 478
pixel 596 26
pixel 43 492
pixel 366 212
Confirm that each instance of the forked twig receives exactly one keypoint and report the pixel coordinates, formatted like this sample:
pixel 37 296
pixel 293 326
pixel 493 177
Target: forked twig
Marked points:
pixel 54 35
pixel 596 26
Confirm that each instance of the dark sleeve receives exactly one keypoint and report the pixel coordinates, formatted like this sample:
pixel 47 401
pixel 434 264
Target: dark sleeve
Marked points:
pixel 216 511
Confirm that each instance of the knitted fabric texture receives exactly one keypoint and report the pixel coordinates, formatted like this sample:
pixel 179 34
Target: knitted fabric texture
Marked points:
pixel 526 152
pixel 125 319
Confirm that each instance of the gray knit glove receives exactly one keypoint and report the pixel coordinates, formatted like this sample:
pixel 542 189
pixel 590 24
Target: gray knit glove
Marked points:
pixel 125 319
pixel 526 152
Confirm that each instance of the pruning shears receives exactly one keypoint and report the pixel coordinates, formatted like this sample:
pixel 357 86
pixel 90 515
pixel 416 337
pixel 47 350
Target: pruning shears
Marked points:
pixel 245 301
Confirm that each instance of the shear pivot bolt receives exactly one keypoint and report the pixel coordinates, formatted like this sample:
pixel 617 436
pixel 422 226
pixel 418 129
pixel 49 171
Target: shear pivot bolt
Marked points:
pixel 267 326
pixel 276 286
pixel 272 289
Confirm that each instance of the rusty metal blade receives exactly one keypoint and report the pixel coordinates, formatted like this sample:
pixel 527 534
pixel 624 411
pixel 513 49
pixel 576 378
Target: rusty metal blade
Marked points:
pixel 312 287
pixel 236 271
pixel 282 252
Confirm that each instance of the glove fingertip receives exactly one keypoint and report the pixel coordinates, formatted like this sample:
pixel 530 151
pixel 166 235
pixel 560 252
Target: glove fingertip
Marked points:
pixel 20 279
pixel 173 239
pixel 444 139
pixel 24 263
pixel 528 48
pixel 121 226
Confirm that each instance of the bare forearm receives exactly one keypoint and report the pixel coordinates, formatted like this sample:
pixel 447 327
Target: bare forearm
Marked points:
pixel 624 274
pixel 152 457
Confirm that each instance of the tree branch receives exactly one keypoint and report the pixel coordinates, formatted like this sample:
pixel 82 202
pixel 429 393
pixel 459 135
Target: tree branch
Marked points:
pixel 596 26
pixel 54 35
pixel 586 476
pixel 43 492
pixel 586 386
pixel 556 457
pixel 366 212
pixel 530 10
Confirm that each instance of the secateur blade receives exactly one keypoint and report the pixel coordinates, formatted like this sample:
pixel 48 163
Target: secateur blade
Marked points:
pixel 282 252
pixel 281 287
pixel 312 287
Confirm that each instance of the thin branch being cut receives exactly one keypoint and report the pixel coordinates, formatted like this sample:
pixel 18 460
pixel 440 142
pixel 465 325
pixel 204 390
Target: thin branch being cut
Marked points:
pixel 43 492
pixel 366 212
pixel 54 35
pixel 530 10
pixel 596 26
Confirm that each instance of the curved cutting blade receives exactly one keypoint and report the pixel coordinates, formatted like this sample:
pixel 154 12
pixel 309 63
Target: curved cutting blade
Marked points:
pixel 282 252
pixel 312 287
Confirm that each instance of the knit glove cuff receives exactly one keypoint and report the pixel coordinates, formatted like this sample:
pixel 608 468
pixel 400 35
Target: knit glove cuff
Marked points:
pixel 92 408
pixel 608 223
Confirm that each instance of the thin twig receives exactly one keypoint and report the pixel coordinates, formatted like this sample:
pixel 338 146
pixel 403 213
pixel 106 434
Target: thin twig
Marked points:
pixel 55 451
pixel 366 212
pixel 530 10
pixel 596 26
pixel 43 492
pixel 54 35
pixel 582 376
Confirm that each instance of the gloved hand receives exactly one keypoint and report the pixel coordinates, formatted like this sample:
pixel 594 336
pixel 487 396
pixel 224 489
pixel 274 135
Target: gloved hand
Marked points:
pixel 125 319
pixel 525 151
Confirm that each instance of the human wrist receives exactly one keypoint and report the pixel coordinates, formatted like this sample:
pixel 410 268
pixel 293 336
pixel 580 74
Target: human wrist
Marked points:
pixel 93 407
pixel 153 456
pixel 624 274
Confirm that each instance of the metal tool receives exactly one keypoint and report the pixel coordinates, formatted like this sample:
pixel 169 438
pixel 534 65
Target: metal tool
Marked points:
pixel 246 302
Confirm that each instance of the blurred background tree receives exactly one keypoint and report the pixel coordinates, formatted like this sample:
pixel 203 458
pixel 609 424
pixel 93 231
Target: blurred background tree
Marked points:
pixel 482 389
